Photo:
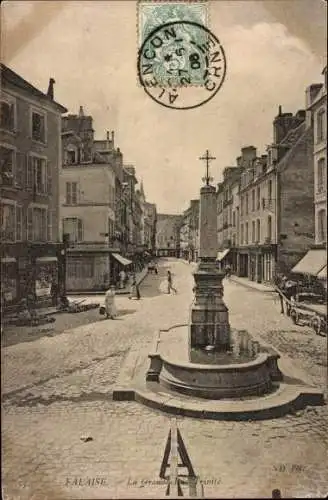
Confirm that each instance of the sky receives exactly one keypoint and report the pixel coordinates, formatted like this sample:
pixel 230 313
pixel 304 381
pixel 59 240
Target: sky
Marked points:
pixel 274 50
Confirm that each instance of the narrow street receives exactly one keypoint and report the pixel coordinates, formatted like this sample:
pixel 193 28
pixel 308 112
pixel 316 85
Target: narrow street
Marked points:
pixel 57 388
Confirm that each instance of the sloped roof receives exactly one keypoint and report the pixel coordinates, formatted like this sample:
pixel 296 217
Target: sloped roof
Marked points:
pixel 9 76
pixel 293 135
pixel 304 134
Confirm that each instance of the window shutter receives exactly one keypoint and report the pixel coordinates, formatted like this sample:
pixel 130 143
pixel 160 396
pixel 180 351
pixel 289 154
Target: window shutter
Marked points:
pixel 68 193
pixel 19 173
pixel 29 172
pixel 49 178
pixel 79 230
pixel 29 224
pixel 49 226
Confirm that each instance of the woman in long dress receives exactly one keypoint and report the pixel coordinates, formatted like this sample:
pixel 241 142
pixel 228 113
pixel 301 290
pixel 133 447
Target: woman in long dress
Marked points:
pixel 111 311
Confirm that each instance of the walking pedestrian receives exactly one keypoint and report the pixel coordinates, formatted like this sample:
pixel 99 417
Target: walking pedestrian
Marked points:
pixel 122 278
pixel 170 283
pixel 227 271
pixel 134 290
pixel 111 311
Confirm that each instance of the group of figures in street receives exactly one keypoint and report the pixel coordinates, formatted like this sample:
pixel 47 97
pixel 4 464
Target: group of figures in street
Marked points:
pixel 109 308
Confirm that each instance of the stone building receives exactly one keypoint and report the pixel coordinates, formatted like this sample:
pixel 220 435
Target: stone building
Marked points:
pixel 30 141
pixel 276 210
pixel 257 237
pixel 106 151
pixel 150 226
pixel 314 262
pixel 168 235
pixel 92 216
pixel 317 105
pixel 134 211
pixel 227 216
pixel 189 232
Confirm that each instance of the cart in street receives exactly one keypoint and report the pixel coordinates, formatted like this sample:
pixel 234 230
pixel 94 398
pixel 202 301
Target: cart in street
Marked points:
pixel 309 309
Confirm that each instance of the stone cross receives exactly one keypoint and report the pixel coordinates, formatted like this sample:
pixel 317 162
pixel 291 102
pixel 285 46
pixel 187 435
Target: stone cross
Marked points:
pixel 207 179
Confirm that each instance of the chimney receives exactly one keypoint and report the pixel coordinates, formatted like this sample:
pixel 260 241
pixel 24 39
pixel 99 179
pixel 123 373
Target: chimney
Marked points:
pixel 248 154
pixel 50 92
pixel 284 122
pixel 112 134
pixel 310 94
pixel 81 112
pixel 279 110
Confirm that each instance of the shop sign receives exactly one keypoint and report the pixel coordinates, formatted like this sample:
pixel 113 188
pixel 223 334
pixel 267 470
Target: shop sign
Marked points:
pixel 42 288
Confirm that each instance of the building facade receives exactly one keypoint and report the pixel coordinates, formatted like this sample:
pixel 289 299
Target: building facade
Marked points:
pixel 30 135
pixel 257 238
pixel 189 232
pixel 317 107
pixel 88 217
pixel 276 213
pixel 314 262
pixel 150 226
pixel 91 215
pixel 227 215
pixel 168 235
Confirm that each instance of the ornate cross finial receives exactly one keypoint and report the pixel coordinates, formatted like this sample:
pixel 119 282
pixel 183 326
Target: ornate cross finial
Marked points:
pixel 207 179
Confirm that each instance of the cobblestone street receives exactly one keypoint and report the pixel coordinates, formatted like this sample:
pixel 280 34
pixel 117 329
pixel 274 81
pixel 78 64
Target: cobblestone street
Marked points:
pixel 57 388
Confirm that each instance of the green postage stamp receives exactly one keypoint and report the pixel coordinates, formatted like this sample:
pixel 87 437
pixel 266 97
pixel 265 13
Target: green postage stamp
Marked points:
pixel 174 61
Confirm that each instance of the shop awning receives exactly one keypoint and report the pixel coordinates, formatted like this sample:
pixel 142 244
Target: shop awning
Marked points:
pixel 221 255
pixel 122 260
pixel 47 259
pixel 323 273
pixel 312 263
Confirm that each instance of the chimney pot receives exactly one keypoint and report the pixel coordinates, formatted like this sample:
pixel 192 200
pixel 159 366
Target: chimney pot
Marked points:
pixel 50 92
pixel 81 112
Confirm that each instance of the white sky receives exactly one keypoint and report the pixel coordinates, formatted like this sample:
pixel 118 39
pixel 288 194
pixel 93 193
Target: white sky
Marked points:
pixel 274 50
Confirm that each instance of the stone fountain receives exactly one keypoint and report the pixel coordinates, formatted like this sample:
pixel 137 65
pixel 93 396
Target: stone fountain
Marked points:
pixel 211 367
pixel 206 368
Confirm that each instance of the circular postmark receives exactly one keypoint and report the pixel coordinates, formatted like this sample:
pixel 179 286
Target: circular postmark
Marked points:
pixel 181 65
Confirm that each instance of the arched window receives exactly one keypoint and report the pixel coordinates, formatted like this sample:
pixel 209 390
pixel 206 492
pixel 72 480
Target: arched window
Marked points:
pixel 74 227
pixel 321 177
pixel 322 226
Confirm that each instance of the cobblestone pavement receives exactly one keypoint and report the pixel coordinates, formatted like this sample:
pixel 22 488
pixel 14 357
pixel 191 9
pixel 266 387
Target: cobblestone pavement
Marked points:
pixel 55 390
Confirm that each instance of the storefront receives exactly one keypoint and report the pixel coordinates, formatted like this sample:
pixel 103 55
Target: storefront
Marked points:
pixel 118 262
pixel 313 266
pixel 222 258
pixel 29 269
pixel 242 267
pixel 9 287
pixel 46 277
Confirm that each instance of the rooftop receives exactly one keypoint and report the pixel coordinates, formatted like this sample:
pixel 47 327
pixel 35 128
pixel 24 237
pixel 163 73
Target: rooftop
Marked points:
pixel 9 76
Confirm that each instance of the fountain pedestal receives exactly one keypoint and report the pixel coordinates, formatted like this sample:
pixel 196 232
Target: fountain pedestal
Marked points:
pixel 209 321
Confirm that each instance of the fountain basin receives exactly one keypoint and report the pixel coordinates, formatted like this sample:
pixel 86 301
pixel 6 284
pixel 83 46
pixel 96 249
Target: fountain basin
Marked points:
pixel 170 366
pixel 219 381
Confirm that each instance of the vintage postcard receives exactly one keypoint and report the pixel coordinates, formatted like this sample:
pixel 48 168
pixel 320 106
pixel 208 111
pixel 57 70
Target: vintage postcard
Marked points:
pixel 164 249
